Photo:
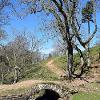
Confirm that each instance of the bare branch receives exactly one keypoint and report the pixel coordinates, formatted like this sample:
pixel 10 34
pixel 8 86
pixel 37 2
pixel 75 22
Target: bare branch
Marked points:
pixel 61 2
pixel 95 24
pixel 60 9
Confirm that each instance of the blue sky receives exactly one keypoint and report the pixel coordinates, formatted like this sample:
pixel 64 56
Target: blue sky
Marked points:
pixel 32 23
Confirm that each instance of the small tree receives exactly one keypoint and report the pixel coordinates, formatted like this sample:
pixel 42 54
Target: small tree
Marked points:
pixel 87 13
pixel 87 17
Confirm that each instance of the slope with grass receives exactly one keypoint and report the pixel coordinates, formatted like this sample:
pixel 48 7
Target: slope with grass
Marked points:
pixel 86 96
pixel 48 71
pixel 39 71
pixel 87 91
pixel 61 61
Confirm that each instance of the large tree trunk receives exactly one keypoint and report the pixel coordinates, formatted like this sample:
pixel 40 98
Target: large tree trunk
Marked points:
pixel 2 80
pixel 88 56
pixel 16 76
pixel 70 60
pixel 88 59
pixel 88 48
pixel 2 75
pixel 82 60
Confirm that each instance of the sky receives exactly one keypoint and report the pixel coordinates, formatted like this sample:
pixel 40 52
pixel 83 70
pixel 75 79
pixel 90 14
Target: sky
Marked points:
pixel 32 23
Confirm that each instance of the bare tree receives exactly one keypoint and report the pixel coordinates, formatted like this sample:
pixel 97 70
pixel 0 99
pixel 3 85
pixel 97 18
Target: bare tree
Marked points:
pixel 35 46
pixel 98 37
pixel 91 12
pixel 4 62
pixel 3 16
pixel 18 49
pixel 57 9
pixel 59 47
pixel 98 43
pixel 65 13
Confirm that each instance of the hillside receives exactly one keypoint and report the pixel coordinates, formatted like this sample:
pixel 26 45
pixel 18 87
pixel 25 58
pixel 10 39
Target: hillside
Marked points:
pixel 61 61
pixel 91 90
pixel 50 70
pixel 39 71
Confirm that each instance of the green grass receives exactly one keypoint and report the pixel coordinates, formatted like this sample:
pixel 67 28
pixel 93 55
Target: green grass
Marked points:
pixel 93 94
pixel 86 96
pixel 39 71
pixel 61 60
pixel 95 50
pixel 95 86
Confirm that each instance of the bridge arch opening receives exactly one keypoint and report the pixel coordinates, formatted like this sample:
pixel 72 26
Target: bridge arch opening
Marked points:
pixel 49 94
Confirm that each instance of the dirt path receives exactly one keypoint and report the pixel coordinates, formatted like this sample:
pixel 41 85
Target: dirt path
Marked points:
pixel 23 84
pixel 54 68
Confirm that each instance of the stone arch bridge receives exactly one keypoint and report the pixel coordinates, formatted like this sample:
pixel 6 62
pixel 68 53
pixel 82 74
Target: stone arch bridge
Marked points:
pixel 52 92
